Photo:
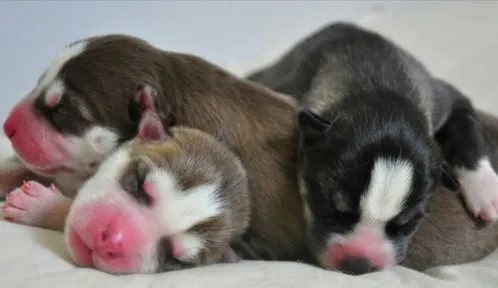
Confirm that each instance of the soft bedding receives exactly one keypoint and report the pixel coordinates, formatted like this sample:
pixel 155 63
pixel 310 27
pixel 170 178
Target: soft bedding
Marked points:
pixel 456 41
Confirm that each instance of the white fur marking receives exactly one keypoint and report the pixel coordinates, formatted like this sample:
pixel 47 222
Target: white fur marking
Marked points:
pixel 181 210
pixel 480 189
pixel 92 147
pixel 85 112
pixel 192 244
pixel 58 62
pixel 54 93
pixel 390 184
pixel 104 183
pixel 101 140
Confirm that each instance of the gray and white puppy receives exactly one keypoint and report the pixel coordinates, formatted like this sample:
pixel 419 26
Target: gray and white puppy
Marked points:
pixel 376 130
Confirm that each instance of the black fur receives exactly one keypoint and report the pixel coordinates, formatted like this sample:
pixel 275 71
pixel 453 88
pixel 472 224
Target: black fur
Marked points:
pixel 65 117
pixel 341 159
pixel 371 99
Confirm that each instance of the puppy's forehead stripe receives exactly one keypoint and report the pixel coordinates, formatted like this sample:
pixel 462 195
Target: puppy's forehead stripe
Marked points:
pixel 52 72
pixel 390 185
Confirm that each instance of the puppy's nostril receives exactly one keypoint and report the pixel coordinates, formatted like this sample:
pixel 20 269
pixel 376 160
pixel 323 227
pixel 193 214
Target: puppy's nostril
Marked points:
pixel 114 254
pixel 356 266
pixel 105 235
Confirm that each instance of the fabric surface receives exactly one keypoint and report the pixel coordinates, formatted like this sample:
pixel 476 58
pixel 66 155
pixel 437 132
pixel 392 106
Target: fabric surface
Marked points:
pixel 457 42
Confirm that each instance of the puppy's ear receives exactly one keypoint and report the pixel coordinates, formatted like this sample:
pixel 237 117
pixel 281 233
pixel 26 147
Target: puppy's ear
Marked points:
pixel 312 126
pixel 151 128
pixel 144 98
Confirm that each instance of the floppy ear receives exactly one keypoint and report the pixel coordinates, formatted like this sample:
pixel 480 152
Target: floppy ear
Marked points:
pixel 151 128
pixel 145 99
pixel 312 126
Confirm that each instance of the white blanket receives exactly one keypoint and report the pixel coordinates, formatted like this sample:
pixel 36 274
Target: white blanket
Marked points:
pixel 458 42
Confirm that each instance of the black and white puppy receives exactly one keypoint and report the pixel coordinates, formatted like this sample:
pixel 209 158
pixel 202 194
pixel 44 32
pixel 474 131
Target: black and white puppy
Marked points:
pixel 376 129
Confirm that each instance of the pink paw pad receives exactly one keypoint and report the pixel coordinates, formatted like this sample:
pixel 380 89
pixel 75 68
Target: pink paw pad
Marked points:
pixel 30 203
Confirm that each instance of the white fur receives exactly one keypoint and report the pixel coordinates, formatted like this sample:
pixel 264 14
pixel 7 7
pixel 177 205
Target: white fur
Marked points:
pixel 389 186
pixel 480 189
pixel 54 67
pixel 85 112
pixel 191 243
pixel 92 147
pixel 390 183
pixel 101 140
pixel 180 210
pixel 104 184
pixel 55 89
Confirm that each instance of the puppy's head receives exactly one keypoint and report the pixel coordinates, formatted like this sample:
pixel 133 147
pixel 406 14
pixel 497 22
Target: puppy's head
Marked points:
pixel 366 189
pixel 159 206
pixel 83 105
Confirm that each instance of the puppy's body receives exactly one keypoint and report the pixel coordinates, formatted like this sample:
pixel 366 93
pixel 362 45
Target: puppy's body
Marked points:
pixel 90 100
pixel 368 157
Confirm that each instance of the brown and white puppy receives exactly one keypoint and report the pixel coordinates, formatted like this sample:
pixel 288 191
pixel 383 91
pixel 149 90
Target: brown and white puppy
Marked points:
pixel 162 202
pixel 90 99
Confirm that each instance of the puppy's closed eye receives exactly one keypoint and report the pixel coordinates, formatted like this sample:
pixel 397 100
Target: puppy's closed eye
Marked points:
pixel 133 183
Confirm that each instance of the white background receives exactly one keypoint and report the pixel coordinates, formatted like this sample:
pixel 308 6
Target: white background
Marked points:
pixel 227 33
pixel 239 35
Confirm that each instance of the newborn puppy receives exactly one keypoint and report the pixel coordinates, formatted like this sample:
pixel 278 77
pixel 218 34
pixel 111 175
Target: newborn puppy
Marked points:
pixel 89 102
pixel 369 157
pixel 160 203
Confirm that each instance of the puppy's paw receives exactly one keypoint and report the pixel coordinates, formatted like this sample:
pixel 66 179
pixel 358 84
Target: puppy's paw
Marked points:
pixel 36 205
pixel 480 191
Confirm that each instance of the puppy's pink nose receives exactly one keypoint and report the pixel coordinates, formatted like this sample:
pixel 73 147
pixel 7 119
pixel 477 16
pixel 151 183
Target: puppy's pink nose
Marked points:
pixel 110 237
pixel 110 243
pixel 10 127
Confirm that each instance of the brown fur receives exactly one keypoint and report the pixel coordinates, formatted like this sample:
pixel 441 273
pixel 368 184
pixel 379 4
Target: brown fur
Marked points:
pixel 449 234
pixel 195 158
pixel 257 124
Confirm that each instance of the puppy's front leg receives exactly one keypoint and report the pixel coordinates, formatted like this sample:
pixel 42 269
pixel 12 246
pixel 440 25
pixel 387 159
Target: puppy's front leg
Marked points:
pixel 462 142
pixel 12 170
pixel 37 205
